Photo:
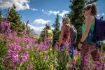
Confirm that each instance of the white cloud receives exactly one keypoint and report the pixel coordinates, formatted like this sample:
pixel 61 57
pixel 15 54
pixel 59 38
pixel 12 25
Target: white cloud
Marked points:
pixel 36 29
pixel 33 9
pixel 103 14
pixel 20 4
pixel 98 15
pixel 63 13
pixel 41 21
pixel 54 12
pixel 43 10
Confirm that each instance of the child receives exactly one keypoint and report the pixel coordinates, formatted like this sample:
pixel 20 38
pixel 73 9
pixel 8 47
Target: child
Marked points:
pixel 68 37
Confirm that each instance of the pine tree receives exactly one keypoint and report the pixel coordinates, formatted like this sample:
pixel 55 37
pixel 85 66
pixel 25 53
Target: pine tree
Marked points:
pixel 76 15
pixel 56 30
pixel 15 19
pixel 0 16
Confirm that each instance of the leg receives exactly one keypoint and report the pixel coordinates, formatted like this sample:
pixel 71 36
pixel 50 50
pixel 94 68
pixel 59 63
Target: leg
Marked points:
pixel 85 57
pixel 73 62
pixel 72 52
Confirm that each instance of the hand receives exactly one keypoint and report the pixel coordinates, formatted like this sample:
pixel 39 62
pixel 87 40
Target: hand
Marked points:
pixel 79 46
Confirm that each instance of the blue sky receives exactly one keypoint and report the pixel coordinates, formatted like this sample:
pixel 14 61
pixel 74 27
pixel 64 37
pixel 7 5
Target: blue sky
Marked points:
pixel 41 12
pixel 46 10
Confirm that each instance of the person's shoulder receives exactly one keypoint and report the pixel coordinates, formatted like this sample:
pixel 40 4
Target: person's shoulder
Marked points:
pixel 73 27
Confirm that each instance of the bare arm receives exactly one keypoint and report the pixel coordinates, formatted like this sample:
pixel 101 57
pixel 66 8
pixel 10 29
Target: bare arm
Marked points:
pixel 87 28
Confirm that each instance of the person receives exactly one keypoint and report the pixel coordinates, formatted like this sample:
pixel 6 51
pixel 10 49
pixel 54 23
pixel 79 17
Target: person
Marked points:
pixel 65 33
pixel 49 34
pixel 87 44
pixel 68 37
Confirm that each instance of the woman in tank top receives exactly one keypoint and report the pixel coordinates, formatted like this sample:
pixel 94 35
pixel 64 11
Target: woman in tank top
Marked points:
pixel 87 44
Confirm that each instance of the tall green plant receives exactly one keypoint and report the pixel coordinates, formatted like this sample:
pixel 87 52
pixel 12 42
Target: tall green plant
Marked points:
pixel 56 30
pixel 0 16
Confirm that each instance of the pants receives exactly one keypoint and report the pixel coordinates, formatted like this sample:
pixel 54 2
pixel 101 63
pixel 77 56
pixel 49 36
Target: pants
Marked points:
pixel 72 52
pixel 70 49
pixel 88 50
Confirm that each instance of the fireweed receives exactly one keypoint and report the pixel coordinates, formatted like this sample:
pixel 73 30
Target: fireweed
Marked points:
pixel 18 46
pixel 15 45
pixel 25 52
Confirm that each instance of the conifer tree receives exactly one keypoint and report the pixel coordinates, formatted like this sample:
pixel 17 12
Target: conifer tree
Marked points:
pixel 56 30
pixel 15 19
pixel 0 16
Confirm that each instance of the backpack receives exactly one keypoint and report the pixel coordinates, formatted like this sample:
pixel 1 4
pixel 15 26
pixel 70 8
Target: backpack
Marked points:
pixel 73 32
pixel 99 30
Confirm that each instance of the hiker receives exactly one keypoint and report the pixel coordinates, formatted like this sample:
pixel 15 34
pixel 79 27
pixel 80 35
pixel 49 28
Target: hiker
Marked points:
pixel 48 34
pixel 68 37
pixel 87 44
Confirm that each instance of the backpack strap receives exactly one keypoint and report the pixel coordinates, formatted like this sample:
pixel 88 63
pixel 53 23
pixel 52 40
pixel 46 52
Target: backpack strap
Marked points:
pixel 94 32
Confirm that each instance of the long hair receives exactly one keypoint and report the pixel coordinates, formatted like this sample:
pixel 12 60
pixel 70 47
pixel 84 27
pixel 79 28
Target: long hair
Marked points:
pixel 92 7
pixel 66 20
pixel 65 27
